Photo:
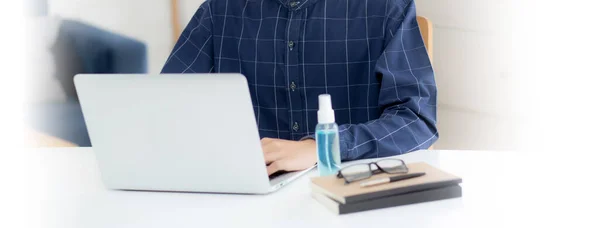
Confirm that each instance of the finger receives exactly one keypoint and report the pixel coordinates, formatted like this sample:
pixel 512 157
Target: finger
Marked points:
pixel 273 168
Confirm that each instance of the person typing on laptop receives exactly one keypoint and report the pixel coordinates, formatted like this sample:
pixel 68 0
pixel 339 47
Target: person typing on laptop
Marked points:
pixel 368 55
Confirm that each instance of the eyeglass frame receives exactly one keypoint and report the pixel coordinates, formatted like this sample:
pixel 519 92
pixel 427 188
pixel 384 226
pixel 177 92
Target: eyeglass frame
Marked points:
pixel 372 172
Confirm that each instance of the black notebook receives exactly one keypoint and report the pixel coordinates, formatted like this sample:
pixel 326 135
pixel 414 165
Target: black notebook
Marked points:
pixel 448 192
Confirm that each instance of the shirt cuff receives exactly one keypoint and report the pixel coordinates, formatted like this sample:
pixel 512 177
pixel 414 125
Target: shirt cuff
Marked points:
pixel 344 147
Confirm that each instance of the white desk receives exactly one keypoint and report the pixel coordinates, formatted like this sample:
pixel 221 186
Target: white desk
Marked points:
pixel 67 192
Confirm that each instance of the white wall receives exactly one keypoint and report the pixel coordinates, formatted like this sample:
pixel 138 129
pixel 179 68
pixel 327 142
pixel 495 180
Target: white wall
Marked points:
pixel 187 9
pixel 474 69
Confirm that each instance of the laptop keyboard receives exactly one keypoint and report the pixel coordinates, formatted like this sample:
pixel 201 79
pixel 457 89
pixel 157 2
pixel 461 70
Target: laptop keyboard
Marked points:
pixel 276 174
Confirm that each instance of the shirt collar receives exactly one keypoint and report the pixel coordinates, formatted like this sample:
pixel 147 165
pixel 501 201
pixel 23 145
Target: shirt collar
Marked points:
pixel 297 4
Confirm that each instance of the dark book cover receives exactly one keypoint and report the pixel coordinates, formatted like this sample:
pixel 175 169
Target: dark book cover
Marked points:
pixel 449 192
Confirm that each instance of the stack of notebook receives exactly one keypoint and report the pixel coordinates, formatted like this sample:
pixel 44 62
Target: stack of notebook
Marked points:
pixel 343 198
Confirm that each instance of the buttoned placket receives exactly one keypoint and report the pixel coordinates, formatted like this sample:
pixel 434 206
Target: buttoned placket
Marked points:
pixel 292 35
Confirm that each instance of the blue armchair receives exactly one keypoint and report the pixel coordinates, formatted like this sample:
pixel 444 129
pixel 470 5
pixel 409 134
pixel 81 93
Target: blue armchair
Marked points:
pixel 81 48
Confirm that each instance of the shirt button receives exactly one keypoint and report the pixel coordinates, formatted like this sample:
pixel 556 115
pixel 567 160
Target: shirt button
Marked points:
pixel 296 126
pixel 294 4
pixel 293 86
pixel 291 45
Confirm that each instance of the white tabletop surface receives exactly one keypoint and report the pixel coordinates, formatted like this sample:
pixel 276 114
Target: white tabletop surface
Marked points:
pixel 66 190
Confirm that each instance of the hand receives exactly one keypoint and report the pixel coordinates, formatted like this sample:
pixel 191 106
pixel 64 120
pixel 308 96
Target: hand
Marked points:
pixel 286 155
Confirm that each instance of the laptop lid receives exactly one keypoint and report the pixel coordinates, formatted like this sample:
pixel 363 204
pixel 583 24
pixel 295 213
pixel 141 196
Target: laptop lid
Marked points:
pixel 184 132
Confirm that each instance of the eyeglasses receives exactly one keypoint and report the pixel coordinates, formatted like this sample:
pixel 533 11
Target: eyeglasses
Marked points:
pixel 364 171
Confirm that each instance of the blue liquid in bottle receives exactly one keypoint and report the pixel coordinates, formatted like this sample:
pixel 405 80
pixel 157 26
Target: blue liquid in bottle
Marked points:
pixel 328 149
pixel 328 139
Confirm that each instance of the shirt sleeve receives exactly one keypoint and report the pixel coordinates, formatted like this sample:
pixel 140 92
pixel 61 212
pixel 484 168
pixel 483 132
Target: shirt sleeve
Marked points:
pixel 193 52
pixel 407 96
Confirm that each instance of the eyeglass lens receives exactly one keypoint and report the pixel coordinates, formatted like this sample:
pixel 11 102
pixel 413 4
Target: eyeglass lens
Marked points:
pixel 356 172
pixel 392 166
pixel 364 171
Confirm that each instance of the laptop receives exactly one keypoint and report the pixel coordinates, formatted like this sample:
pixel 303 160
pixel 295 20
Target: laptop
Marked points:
pixel 176 133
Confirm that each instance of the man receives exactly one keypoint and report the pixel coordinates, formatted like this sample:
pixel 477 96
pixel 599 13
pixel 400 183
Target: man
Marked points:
pixel 367 54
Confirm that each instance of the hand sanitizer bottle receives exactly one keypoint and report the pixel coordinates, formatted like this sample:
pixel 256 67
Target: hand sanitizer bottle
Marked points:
pixel 327 137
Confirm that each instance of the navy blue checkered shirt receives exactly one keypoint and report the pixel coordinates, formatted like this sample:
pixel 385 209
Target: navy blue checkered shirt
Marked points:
pixel 367 54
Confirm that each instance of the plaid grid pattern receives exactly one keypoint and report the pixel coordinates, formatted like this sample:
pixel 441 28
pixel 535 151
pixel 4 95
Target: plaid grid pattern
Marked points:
pixel 368 54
